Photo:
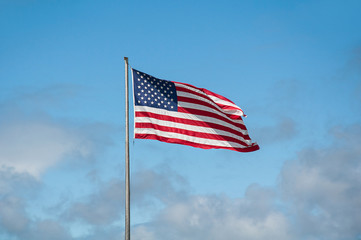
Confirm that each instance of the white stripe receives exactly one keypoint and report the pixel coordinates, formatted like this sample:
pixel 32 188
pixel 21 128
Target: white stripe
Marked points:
pixel 208 109
pixel 190 127
pixel 215 99
pixel 237 111
pixel 187 116
pixel 194 96
pixel 196 140
pixel 194 89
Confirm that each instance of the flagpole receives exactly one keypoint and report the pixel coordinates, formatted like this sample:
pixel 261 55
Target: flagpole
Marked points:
pixel 127 175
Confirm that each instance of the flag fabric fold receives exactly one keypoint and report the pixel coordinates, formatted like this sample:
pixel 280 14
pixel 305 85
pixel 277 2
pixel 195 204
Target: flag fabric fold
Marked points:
pixel 180 113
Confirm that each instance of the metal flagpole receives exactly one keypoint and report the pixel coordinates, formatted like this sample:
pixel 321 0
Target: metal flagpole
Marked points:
pixel 127 175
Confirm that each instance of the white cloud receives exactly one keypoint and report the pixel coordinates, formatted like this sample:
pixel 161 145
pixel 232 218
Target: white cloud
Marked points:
pixel 14 187
pixel 48 229
pixel 13 218
pixel 322 187
pixel 219 217
pixel 100 208
pixel 317 198
pixel 15 222
pixel 284 129
pixel 143 233
pixel 148 190
pixel 33 146
pixel 32 141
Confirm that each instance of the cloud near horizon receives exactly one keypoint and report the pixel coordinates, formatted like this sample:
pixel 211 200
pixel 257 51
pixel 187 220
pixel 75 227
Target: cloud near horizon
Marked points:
pixel 316 198
pixel 32 141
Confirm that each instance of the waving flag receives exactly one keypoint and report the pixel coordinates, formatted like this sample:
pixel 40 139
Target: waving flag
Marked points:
pixel 180 113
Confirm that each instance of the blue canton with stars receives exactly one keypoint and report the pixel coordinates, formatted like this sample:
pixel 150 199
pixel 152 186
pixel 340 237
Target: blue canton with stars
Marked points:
pixel 153 92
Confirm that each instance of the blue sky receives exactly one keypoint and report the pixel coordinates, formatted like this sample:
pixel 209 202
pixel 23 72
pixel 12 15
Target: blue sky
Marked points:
pixel 294 67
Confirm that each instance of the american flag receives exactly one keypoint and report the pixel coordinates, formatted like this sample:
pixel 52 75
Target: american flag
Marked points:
pixel 180 113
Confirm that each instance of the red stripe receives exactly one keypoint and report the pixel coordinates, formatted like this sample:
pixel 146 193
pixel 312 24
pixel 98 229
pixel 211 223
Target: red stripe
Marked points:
pixel 199 112
pixel 205 96
pixel 187 90
pixel 184 142
pixel 207 104
pixel 205 91
pixel 190 133
pixel 217 95
pixel 191 122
